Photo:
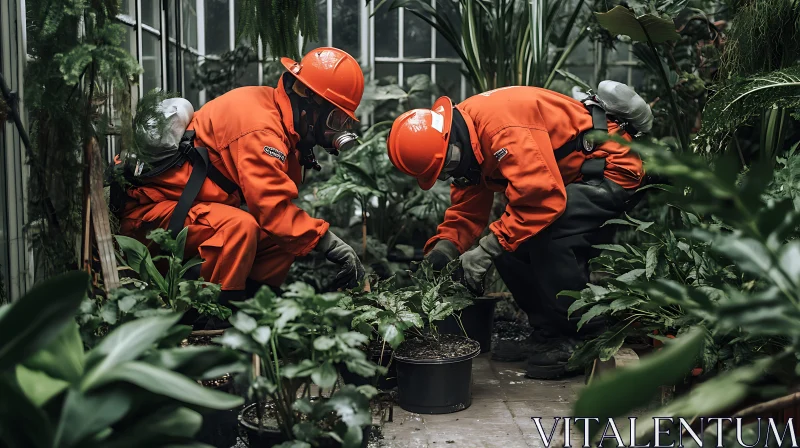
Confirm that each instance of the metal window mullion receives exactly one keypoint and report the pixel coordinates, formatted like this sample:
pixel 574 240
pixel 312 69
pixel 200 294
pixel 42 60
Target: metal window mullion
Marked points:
pixel 260 46
pixel 371 50
pixel 164 49
pixel 139 56
pixel 329 22
pixel 401 32
pixel 433 51
pixel 151 30
pixel 364 41
pixel 200 7
pixel 231 24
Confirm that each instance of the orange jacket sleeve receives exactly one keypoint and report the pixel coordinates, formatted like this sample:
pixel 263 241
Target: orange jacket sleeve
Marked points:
pixel 535 191
pixel 466 217
pixel 262 161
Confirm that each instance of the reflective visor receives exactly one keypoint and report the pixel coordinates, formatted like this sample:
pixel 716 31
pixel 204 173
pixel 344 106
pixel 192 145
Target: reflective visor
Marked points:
pixel 339 121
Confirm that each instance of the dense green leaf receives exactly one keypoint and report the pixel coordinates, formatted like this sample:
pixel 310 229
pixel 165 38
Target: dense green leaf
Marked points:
pixel 621 20
pixel 62 359
pixel 623 390
pixel 166 423
pixel 194 362
pixel 171 385
pixel 22 423
pixel 38 386
pixel 631 276
pixel 594 311
pixel 325 375
pixel 36 319
pixel 85 414
pixel 138 258
pixel 323 343
pixel 652 261
pixel 611 247
pixel 125 343
pixel 244 323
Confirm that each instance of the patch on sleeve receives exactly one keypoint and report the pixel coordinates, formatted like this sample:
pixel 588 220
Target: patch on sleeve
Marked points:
pixel 502 152
pixel 275 153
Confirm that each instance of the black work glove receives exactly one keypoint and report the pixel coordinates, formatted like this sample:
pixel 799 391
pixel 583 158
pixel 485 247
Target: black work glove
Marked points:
pixel 477 262
pixel 442 253
pixel 339 252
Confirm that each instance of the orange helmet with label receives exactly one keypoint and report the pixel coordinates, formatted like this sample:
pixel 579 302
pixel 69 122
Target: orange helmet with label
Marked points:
pixel 332 74
pixel 419 139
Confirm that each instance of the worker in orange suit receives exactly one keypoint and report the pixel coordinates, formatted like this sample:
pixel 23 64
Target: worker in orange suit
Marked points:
pixel 261 139
pixel 530 144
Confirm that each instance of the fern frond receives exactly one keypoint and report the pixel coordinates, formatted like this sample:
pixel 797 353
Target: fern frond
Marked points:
pixel 740 101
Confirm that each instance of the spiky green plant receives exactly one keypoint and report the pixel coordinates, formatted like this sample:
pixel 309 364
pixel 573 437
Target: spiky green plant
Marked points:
pixel 277 23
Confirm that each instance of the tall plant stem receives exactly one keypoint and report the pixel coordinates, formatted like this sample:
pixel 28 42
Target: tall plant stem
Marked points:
pixel 673 101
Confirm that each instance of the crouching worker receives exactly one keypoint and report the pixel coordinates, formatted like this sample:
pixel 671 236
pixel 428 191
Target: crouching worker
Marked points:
pixel 250 147
pixel 529 144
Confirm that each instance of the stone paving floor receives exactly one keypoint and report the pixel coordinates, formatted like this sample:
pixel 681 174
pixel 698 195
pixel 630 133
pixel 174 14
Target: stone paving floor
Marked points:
pixel 503 402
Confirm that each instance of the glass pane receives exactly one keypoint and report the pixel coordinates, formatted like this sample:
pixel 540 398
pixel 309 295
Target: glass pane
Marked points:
pixel 171 17
pixel 386 33
pixel 448 79
pixel 619 74
pixel 450 9
pixel 386 71
pixel 322 28
pixel 346 36
pixel 151 62
pixel 250 75
pixel 410 70
pixel 217 26
pixel 151 13
pixel 172 69
pixel 189 19
pixel 416 37
pixel 129 40
pixel 190 92
pixel 128 7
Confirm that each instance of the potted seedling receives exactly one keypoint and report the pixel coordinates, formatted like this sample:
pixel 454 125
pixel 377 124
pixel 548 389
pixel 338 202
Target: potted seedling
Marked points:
pixel 296 341
pixel 434 370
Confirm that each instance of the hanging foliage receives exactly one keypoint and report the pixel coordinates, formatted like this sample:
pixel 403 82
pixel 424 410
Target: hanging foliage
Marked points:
pixel 277 23
pixel 75 54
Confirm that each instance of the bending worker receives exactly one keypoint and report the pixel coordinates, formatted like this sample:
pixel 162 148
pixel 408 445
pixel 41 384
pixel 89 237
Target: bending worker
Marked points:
pixel 529 144
pixel 259 141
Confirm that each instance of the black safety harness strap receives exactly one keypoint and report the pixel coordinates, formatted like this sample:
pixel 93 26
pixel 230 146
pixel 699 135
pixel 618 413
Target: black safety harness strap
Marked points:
pixel 591 168
pixel 202 168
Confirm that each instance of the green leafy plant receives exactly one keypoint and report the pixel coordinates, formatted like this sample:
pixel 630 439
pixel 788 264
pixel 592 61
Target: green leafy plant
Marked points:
pixel 393 314
pixel 133 389
pixel 175 292
pixel 300 338
pixel 278 25
pixel 756 235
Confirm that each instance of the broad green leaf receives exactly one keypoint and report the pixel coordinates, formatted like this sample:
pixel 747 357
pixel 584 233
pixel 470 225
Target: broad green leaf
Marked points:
pixel 410 318
pixel 125 343
pixel 323 343
pixel 652 261
pixel 62 359
pixel 621 20
pixel 623 390
pixel 611 345
pixel 38 386
pixel 172 385
pixel 262 335
pixel 624 303
pixel 194 362
pixel 789 259
pixel 165 423
pixel 325 375
pixel 243 322
pixel 576 305
pixel 180 243
pixel 138 258
pixel 22 423
pixel 594 311
pixel 36 319
pixel 631 276
pixel 353 339
pixel 305 368
pixel 611 247
pixel 85 414
pixel 391 334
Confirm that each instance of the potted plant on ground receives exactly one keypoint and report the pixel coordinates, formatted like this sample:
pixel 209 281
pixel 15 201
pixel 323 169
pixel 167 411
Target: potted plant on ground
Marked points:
pixel 434 370
pixel 297 340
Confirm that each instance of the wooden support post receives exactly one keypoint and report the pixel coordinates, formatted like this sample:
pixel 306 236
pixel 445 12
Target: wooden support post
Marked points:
pixel 101 223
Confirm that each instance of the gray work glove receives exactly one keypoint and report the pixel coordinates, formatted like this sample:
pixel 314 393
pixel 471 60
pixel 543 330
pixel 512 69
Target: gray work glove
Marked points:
pixel 339 252
pixel 442 253
pixel 476 262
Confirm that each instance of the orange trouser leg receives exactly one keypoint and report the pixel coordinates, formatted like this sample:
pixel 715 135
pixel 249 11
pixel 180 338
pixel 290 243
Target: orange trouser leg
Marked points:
pixel 229 240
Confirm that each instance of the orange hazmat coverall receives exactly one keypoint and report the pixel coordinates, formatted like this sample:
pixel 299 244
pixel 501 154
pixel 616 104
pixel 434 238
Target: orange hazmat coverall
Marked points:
pixel 529 123
pixel 250 136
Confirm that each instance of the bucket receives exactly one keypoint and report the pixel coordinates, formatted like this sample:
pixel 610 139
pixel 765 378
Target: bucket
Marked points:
pixel 435 386
pixel 477 320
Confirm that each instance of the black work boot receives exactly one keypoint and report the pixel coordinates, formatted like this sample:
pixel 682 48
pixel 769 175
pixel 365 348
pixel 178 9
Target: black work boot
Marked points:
pixel 550 362
pixel 513 351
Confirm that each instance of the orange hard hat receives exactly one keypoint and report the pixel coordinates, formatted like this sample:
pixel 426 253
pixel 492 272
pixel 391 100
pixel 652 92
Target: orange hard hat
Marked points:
pixel 419 139
pixel 332 74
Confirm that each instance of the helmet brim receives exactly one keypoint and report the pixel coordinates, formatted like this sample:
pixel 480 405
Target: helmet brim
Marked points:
pixel 293 67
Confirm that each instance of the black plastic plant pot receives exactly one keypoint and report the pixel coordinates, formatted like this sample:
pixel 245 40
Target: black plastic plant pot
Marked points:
pixel 477 320
pixel 387 382
pixel 435 386
pixel 220 428
pixel 269 437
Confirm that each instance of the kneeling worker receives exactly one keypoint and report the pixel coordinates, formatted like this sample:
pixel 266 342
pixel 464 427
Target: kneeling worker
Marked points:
pixel 250 147
pixel 528 143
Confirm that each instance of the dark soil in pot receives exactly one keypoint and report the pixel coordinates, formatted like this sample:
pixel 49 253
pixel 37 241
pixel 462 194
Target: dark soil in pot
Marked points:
pixel 477 320
pixel 435 377
pixel 270 435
